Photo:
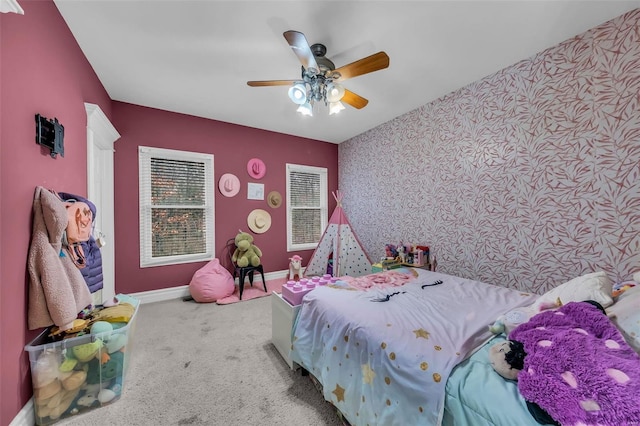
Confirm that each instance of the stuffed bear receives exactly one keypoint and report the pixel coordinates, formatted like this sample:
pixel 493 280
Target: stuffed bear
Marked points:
pixel 246 252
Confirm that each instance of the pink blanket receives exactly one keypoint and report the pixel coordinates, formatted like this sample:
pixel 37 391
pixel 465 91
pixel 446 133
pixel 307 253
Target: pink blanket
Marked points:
pixel 380 280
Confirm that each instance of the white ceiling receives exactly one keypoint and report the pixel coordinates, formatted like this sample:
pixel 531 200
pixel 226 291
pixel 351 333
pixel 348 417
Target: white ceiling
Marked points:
pixel 195 57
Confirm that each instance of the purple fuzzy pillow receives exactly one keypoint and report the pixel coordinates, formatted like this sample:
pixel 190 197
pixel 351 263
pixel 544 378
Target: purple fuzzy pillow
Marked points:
pixel 578 367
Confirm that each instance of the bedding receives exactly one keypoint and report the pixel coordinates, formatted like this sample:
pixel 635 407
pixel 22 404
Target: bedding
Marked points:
pixel 578 367
pixel 625 314
pixel 383 348
pixel 596 286
pixel 476 395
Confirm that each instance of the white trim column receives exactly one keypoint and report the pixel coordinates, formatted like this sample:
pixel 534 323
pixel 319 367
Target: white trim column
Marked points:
pixel 101 136
pixel 7 6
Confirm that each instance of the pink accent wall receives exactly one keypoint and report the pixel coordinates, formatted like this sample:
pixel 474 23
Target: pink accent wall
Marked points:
pixel 527 178
pixel 42 71
pixel 232 147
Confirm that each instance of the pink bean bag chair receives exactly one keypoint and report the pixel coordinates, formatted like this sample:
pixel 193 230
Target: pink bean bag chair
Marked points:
pixel 211 282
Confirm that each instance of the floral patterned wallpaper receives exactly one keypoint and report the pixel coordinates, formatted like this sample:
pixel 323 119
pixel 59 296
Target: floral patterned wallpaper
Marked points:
pixel 527 178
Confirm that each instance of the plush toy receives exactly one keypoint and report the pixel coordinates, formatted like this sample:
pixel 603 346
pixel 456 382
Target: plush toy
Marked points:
pixel 402 254
pixel 89 399
pixel 507 358
pixel 621 287
pixel 87 351
pixel 101 372
pixel 103 328
pixel 113 314
pixel 246 252
pixel 99 394
pixel 54 389
pixel 295 267
pixel 57 405
pixel 507 322
pixel 116 342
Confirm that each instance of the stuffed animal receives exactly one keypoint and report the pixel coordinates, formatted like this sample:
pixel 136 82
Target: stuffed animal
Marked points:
pixel 507 322
pixel 390 251
pixel 295 267
pixel 507 358
pixel 402 254
pixel 246 252
pixel 54 389
pixel 87 351
pixel 114 314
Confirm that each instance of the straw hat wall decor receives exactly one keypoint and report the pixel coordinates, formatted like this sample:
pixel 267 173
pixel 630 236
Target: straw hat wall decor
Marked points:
pixel 274 199
pixel 259 221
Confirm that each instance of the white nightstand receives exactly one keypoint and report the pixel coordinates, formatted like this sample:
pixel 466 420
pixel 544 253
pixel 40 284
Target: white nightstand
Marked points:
pixel 283 315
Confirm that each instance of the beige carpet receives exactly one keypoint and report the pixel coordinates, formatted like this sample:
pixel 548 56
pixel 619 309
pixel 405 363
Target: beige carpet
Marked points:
pixel 209 364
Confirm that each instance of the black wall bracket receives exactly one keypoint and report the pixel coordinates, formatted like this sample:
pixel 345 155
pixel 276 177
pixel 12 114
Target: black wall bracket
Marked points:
pixel 50 134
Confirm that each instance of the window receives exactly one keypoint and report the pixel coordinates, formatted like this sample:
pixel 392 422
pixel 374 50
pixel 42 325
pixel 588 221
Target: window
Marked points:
pixel 176 207
pixel 306 206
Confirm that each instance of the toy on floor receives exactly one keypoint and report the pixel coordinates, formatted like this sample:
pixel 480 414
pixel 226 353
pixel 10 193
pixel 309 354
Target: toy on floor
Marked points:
pixel 295 267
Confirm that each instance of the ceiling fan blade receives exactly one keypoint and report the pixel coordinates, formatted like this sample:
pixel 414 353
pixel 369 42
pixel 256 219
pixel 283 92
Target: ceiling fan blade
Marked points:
pixel 271 83
pixel 354 100
pixel 375 62
pixel 300 47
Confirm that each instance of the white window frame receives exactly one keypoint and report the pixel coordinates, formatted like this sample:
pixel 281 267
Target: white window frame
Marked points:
pixel 145 154
pixel 324 207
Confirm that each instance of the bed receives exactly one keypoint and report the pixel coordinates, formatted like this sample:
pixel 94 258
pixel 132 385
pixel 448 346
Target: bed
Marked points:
pixel 410 346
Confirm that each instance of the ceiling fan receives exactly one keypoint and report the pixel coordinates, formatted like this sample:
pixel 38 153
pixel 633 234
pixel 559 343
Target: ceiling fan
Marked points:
pixel 321 81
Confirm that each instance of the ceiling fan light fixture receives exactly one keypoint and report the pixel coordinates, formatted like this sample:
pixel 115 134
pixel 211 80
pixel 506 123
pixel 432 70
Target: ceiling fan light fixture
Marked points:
pixel 321 81
pixel 335 107
pixel 298 93
pixel 306 109
pixel 335 92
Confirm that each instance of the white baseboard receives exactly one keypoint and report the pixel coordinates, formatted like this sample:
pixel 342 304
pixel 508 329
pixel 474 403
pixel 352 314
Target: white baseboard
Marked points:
pixel 27 417
pixel 162 294
pixel 179 292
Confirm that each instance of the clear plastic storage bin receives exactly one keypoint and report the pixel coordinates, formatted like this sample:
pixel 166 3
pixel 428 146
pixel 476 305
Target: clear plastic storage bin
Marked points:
pixel 82 373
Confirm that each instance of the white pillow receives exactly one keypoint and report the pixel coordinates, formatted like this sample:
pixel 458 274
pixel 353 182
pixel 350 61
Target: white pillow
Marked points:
pixel 596 286
pixel 625 314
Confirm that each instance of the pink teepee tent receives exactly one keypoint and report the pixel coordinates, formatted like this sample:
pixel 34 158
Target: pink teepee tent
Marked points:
pixel 341 244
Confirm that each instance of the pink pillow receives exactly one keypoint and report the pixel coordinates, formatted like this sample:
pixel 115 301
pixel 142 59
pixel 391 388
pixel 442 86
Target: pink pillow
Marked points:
pixel 211 282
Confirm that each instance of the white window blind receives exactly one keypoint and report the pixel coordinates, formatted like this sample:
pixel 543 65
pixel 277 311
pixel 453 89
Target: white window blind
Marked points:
pixel 306 206
pixel 176 206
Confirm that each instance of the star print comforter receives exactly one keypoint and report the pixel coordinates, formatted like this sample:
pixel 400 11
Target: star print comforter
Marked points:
pixel 383 353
